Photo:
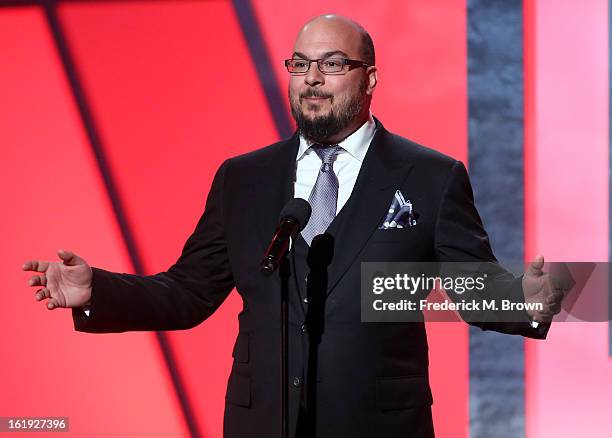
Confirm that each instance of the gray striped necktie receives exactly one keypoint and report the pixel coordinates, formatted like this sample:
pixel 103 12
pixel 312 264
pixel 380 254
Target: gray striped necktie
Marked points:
pixel 324 195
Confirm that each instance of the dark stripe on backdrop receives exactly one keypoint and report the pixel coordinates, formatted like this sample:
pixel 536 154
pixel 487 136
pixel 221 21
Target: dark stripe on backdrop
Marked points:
pixel 263 65
pixel 495 99
pixel 112 191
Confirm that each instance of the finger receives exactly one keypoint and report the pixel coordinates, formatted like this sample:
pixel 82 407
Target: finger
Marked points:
pixel 555 308
pixel 35 265
pixel 543 317
pixel 52 304
pixel 556 296
pixel 69 258
pixel 560 286
pixel 561 271
pixel 547 318
pixel 38 280
pixel 41 294
pixel 535 267
pixel 550 310
pixel 553 300
pixel 552 286
pixel 555 282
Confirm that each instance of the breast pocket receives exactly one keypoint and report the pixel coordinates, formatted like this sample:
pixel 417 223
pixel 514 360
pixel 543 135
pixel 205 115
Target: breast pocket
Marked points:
pixel 395 234
pixel 399 245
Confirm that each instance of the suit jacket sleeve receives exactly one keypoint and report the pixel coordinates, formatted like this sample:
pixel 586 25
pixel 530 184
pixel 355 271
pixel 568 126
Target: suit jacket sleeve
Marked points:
pixel 181 298
pixel 461 237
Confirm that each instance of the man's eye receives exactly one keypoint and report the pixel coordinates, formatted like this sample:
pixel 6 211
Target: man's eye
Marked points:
pixel 332 63
pixel 299 64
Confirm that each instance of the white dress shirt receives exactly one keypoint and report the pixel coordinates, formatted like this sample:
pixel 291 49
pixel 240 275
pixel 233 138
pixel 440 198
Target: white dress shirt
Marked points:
pixel 346 166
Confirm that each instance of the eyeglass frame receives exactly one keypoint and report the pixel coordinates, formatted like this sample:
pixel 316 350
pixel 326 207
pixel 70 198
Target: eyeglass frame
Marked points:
pixel 345 61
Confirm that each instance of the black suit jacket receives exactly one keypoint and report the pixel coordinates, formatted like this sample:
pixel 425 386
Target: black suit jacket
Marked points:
pixel 372 378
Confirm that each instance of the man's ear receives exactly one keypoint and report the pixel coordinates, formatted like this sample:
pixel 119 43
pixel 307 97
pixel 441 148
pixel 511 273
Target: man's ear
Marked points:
pixel 372 78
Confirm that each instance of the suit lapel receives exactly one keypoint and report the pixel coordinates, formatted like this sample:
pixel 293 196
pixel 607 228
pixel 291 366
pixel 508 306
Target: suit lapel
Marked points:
pixel 382 172
pixel 273 187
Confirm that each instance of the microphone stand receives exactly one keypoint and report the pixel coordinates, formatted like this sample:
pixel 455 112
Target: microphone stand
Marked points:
pixel 284 273
pixel 296 212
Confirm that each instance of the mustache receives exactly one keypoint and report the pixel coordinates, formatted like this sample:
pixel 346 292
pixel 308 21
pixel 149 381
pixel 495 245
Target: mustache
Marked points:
pixel 314 93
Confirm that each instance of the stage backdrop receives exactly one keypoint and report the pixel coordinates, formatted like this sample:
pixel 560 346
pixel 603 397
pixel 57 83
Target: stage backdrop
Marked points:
pixel 114 116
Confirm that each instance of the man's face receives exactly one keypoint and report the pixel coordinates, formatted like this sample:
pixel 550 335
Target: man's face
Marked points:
pixel 325 105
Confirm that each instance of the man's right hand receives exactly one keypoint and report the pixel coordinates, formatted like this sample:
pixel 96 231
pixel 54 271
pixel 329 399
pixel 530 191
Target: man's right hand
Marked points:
pixel 66 283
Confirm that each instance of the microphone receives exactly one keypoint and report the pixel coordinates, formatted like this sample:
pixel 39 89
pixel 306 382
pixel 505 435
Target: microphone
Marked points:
pixel 293 219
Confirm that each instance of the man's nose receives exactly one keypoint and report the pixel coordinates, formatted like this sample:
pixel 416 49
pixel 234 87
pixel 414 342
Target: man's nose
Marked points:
pixel 313 75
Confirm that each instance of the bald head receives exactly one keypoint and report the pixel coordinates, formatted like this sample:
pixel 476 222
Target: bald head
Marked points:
pixel 336 28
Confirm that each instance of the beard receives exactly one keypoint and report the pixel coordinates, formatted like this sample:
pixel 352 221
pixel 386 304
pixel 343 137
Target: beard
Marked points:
pixel 319 128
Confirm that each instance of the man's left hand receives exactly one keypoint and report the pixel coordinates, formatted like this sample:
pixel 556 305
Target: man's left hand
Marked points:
pixel 541 287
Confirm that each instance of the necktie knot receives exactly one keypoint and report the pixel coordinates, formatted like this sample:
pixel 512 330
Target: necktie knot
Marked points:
pixel 327 154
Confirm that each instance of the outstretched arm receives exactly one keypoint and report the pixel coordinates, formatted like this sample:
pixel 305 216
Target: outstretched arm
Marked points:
pixel 180 298
pixel 461 237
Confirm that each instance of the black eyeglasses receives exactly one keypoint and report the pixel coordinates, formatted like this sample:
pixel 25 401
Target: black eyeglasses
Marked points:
pixel 327 66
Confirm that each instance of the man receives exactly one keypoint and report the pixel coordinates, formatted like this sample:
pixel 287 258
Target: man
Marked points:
pixel 347 378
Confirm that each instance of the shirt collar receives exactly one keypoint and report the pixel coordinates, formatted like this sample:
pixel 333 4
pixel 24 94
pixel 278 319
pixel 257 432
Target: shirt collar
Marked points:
pixel 355 144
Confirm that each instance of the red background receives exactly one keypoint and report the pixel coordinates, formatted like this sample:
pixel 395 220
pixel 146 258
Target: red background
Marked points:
pixel 173 91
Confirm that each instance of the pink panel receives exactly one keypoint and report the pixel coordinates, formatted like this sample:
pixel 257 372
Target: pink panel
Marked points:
pixel 570 374
pixel 174 93
pixel 421 49
pixel 52 197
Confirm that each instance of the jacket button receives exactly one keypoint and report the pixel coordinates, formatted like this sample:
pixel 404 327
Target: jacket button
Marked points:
pixel 304 328
pixel 306 300
pixel 297 382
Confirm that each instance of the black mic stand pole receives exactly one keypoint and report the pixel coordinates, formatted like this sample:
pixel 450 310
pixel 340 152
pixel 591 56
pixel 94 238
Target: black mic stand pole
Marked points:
pixel 296 212
pixel 284 273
